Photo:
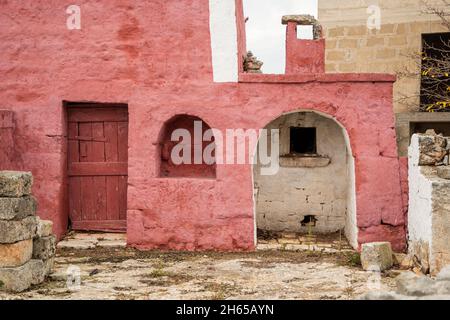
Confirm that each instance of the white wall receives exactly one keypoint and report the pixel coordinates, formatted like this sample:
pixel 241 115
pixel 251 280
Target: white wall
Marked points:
pixel 224 46
pixel 351 225
pixel 420 201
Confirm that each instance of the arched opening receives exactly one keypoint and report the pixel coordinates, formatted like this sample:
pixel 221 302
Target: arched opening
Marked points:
pixel 314 189
pixel 182 145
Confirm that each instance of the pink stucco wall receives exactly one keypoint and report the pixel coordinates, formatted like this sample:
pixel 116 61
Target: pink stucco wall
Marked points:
pixel 7 126
pixel 156 57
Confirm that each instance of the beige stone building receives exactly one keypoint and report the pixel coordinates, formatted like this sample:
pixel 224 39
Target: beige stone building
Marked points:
pixel 352 47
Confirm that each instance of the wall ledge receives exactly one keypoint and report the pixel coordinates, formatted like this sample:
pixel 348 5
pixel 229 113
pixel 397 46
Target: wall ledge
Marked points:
pixel 321 78
pixel 304 162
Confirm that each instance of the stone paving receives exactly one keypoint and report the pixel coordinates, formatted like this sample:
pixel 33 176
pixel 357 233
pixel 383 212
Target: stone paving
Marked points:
pixel 83 241
pixel 290 241
pixel 109 271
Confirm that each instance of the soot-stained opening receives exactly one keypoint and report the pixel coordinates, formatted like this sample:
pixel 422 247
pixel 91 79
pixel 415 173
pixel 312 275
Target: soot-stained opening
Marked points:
pixel 303 141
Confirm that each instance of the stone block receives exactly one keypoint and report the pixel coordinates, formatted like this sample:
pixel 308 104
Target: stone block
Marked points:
pixel 433 149
pixel 444 172
pixel 17 208
pixel 409 284
pixel 44 248
pixel 376 256
pixel 302 19
pixel 15 254
pixel 442 287
pixel 348 43
pixel 336 55
pixel 398 41
pixel 357 31
pixel 336 32
pixel 41 270
pixel 387 28
pixel 15 184
pixel 12 231
pixel 44 228
pixel 386 53
pixel 374 42
pixel 48 266
pixel 444 275
pixel 377 295
pixel 21 278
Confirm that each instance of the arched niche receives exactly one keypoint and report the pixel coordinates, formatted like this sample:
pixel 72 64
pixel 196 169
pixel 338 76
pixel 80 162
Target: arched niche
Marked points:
pixel 180 134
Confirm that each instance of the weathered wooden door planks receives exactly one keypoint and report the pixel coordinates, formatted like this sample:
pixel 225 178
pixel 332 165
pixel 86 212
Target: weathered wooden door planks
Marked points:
pixel 97 167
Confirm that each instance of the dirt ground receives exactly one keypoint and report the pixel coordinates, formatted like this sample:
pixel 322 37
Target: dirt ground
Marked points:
pixel 124 273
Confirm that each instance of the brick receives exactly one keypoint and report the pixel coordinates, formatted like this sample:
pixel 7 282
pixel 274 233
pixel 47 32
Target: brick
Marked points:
pixel 357 31
pixel 373 42
pixel 419 27
pixel 365 54
pixel 330 44
pixel 387 28
pixel 348 67
pixel 336 32
pixel 386 53
pixel 415 41
pixel 14 231
pixel 349 43
pixel 402 28
pixel 331 67
pixel 398 41
pixel 17 208
pixel 15 183
pixel 336 55
pixel 15 254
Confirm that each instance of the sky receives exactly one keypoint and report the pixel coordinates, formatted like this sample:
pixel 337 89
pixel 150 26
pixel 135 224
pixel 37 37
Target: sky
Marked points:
pixel 265 33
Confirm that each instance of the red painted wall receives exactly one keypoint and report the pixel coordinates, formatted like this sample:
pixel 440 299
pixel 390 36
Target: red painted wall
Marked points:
pixel 156 57
pixel 7 127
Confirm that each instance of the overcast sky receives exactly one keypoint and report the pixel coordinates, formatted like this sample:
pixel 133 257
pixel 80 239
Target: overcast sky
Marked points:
pixel 265 33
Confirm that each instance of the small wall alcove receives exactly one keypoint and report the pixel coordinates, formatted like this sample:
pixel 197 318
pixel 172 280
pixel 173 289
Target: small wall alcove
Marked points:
pixel 183 137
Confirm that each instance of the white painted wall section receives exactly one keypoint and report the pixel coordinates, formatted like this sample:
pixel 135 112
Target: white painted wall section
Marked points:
pixel 224 46
pixel 351 225
pixel 420 198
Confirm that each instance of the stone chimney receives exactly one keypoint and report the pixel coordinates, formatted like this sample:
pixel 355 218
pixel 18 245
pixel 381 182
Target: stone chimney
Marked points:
pixel 304 56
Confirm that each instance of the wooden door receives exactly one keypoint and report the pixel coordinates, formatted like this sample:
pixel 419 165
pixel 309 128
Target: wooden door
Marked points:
pixel 97 167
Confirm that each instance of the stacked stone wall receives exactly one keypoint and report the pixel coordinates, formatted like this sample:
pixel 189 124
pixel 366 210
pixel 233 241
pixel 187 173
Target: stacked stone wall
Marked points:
pixel 27 245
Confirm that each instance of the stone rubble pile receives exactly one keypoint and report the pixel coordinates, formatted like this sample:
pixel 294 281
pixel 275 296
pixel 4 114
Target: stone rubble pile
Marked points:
pixel 27 245
pixel 252 64
pixel 411 286
pixel 434 149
